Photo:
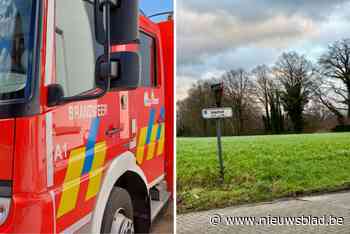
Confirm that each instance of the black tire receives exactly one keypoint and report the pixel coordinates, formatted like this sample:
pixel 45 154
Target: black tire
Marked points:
pixel 118 199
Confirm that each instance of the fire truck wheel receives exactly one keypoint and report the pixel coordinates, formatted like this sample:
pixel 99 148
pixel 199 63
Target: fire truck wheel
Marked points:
pixel 118 216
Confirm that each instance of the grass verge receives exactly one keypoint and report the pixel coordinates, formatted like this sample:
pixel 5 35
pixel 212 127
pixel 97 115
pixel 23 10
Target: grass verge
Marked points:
pixel 260 168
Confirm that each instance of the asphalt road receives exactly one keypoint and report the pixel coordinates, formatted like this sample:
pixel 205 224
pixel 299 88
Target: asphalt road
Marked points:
pixel 336 204
pixel 164 223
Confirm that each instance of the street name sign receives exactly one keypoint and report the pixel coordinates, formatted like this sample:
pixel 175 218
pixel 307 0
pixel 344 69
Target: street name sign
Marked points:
pixel 217 113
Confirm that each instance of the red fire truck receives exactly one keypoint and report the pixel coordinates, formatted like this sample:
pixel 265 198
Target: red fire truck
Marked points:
pixel 86 108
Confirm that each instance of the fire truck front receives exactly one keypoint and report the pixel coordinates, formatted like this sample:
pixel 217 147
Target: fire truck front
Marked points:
pixel 27 63
pixel 19 98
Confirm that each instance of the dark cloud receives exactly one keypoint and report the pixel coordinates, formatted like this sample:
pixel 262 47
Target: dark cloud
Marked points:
pixel 214 36
pixel 255 10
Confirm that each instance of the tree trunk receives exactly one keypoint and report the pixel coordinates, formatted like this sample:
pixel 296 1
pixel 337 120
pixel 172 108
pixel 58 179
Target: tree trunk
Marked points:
pixel 268 120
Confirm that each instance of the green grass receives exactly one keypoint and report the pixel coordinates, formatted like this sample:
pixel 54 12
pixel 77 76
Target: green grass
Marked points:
pixel 260 168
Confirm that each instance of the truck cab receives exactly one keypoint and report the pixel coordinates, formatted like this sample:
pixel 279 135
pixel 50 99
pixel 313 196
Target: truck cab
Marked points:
pixel 85 148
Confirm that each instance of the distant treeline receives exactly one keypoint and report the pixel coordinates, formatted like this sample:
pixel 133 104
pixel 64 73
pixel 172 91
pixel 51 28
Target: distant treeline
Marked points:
pixel 292 96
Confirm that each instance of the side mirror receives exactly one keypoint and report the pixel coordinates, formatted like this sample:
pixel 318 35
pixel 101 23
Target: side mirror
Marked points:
pixel 124 15
pixel 125 67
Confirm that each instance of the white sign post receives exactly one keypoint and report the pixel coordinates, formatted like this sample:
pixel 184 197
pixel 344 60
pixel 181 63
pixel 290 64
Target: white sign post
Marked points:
pixel 218 113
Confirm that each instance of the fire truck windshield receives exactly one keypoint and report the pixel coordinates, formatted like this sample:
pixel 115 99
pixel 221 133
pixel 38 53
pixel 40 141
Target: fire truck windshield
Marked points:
pixel 15 39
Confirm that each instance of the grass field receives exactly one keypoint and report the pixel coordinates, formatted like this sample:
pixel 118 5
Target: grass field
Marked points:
pixel 260 168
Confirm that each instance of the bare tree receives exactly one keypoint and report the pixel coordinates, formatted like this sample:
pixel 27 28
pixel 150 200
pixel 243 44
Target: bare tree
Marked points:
pixel 239 92
pixel 335 68
pixel 326 92
pixel 318 116
pixel 263 88
pixel 268 93
pixel 295 74
pixel 199 99
pixel 189 117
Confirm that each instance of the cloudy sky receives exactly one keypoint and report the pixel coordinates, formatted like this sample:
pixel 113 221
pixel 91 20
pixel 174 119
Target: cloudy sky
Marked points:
pixel 215 36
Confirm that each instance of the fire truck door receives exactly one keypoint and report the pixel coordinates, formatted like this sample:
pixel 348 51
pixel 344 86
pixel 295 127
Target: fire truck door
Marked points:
pixel 79 144
pixel 151 129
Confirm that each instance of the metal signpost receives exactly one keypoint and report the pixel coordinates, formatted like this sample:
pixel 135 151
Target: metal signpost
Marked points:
pixel 218 114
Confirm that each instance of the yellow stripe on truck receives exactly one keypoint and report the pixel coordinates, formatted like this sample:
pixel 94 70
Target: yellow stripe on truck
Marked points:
pixel 141 145
pixel 95 175
pixel 152 144
pixel 71 184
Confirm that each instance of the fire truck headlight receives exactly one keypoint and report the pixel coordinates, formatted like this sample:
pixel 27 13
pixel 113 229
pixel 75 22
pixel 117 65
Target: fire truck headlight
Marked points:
pixel 4 209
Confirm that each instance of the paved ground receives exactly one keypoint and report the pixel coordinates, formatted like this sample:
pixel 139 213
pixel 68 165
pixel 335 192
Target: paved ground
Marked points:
pixel 337 204
pixel 164 223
